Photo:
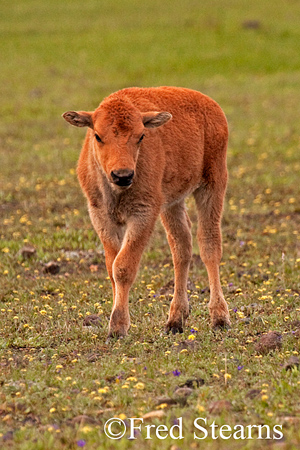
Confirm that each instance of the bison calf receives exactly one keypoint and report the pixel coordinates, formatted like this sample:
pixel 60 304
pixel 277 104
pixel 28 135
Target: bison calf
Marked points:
pixel 145 151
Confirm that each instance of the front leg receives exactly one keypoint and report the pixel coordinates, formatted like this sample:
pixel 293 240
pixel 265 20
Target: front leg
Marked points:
pixel 125 269
pixel 111 236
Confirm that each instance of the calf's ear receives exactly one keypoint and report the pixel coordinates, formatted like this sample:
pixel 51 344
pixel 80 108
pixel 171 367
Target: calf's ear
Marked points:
pixel 79 118
pixel 153 119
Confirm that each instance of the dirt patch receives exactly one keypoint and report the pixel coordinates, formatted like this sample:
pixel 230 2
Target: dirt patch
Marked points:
pixel 269 342
pixel 28 251
pixel 292 362
pixel 92 320
pixel 168 289
pixel 52 268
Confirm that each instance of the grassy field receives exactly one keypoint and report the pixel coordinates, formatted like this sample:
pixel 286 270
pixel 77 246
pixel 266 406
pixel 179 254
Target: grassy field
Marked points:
pixel 59 381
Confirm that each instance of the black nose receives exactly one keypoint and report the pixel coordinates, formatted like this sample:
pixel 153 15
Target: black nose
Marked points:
pixel 122 177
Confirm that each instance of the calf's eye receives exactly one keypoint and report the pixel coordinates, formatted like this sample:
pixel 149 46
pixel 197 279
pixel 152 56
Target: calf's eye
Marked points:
pixel 98 138
pixel 141 138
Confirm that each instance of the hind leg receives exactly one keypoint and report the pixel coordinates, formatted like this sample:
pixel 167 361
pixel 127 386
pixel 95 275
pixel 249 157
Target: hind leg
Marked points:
pixel 209 201
pixel 178 228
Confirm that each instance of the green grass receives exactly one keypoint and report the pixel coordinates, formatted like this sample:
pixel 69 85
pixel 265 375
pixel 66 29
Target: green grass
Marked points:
pixel 57 56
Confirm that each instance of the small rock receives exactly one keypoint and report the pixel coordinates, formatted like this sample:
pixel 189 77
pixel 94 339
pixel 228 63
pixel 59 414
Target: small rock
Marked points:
pixel 82 419
pixel 27 251
pixel 165 401
pixel 193 383
pixel 159 414
pixel 103 411
pixel 92 321
pixel 183 392
pixel 174 447
pixel 269 342
pixel 181 395
pixel 72 254
pixel 292 362
pixel 290 420
pixel 52 267
pixel 219 406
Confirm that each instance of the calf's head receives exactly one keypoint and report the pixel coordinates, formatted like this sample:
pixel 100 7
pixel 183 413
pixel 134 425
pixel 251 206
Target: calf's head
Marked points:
pixel 118 129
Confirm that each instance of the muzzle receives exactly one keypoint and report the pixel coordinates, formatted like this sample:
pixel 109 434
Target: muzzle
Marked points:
pixel 122 177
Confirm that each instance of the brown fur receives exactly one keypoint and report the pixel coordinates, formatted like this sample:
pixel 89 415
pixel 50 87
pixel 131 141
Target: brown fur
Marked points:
pixel 183 152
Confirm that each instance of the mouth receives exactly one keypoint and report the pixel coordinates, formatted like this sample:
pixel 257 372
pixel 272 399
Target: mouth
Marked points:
pixel 123 183
pixel 121 186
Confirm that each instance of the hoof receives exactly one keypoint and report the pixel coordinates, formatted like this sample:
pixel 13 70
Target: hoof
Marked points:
pixel 220 323
pixel 173 328
pixel 114 336
pixel 113 339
